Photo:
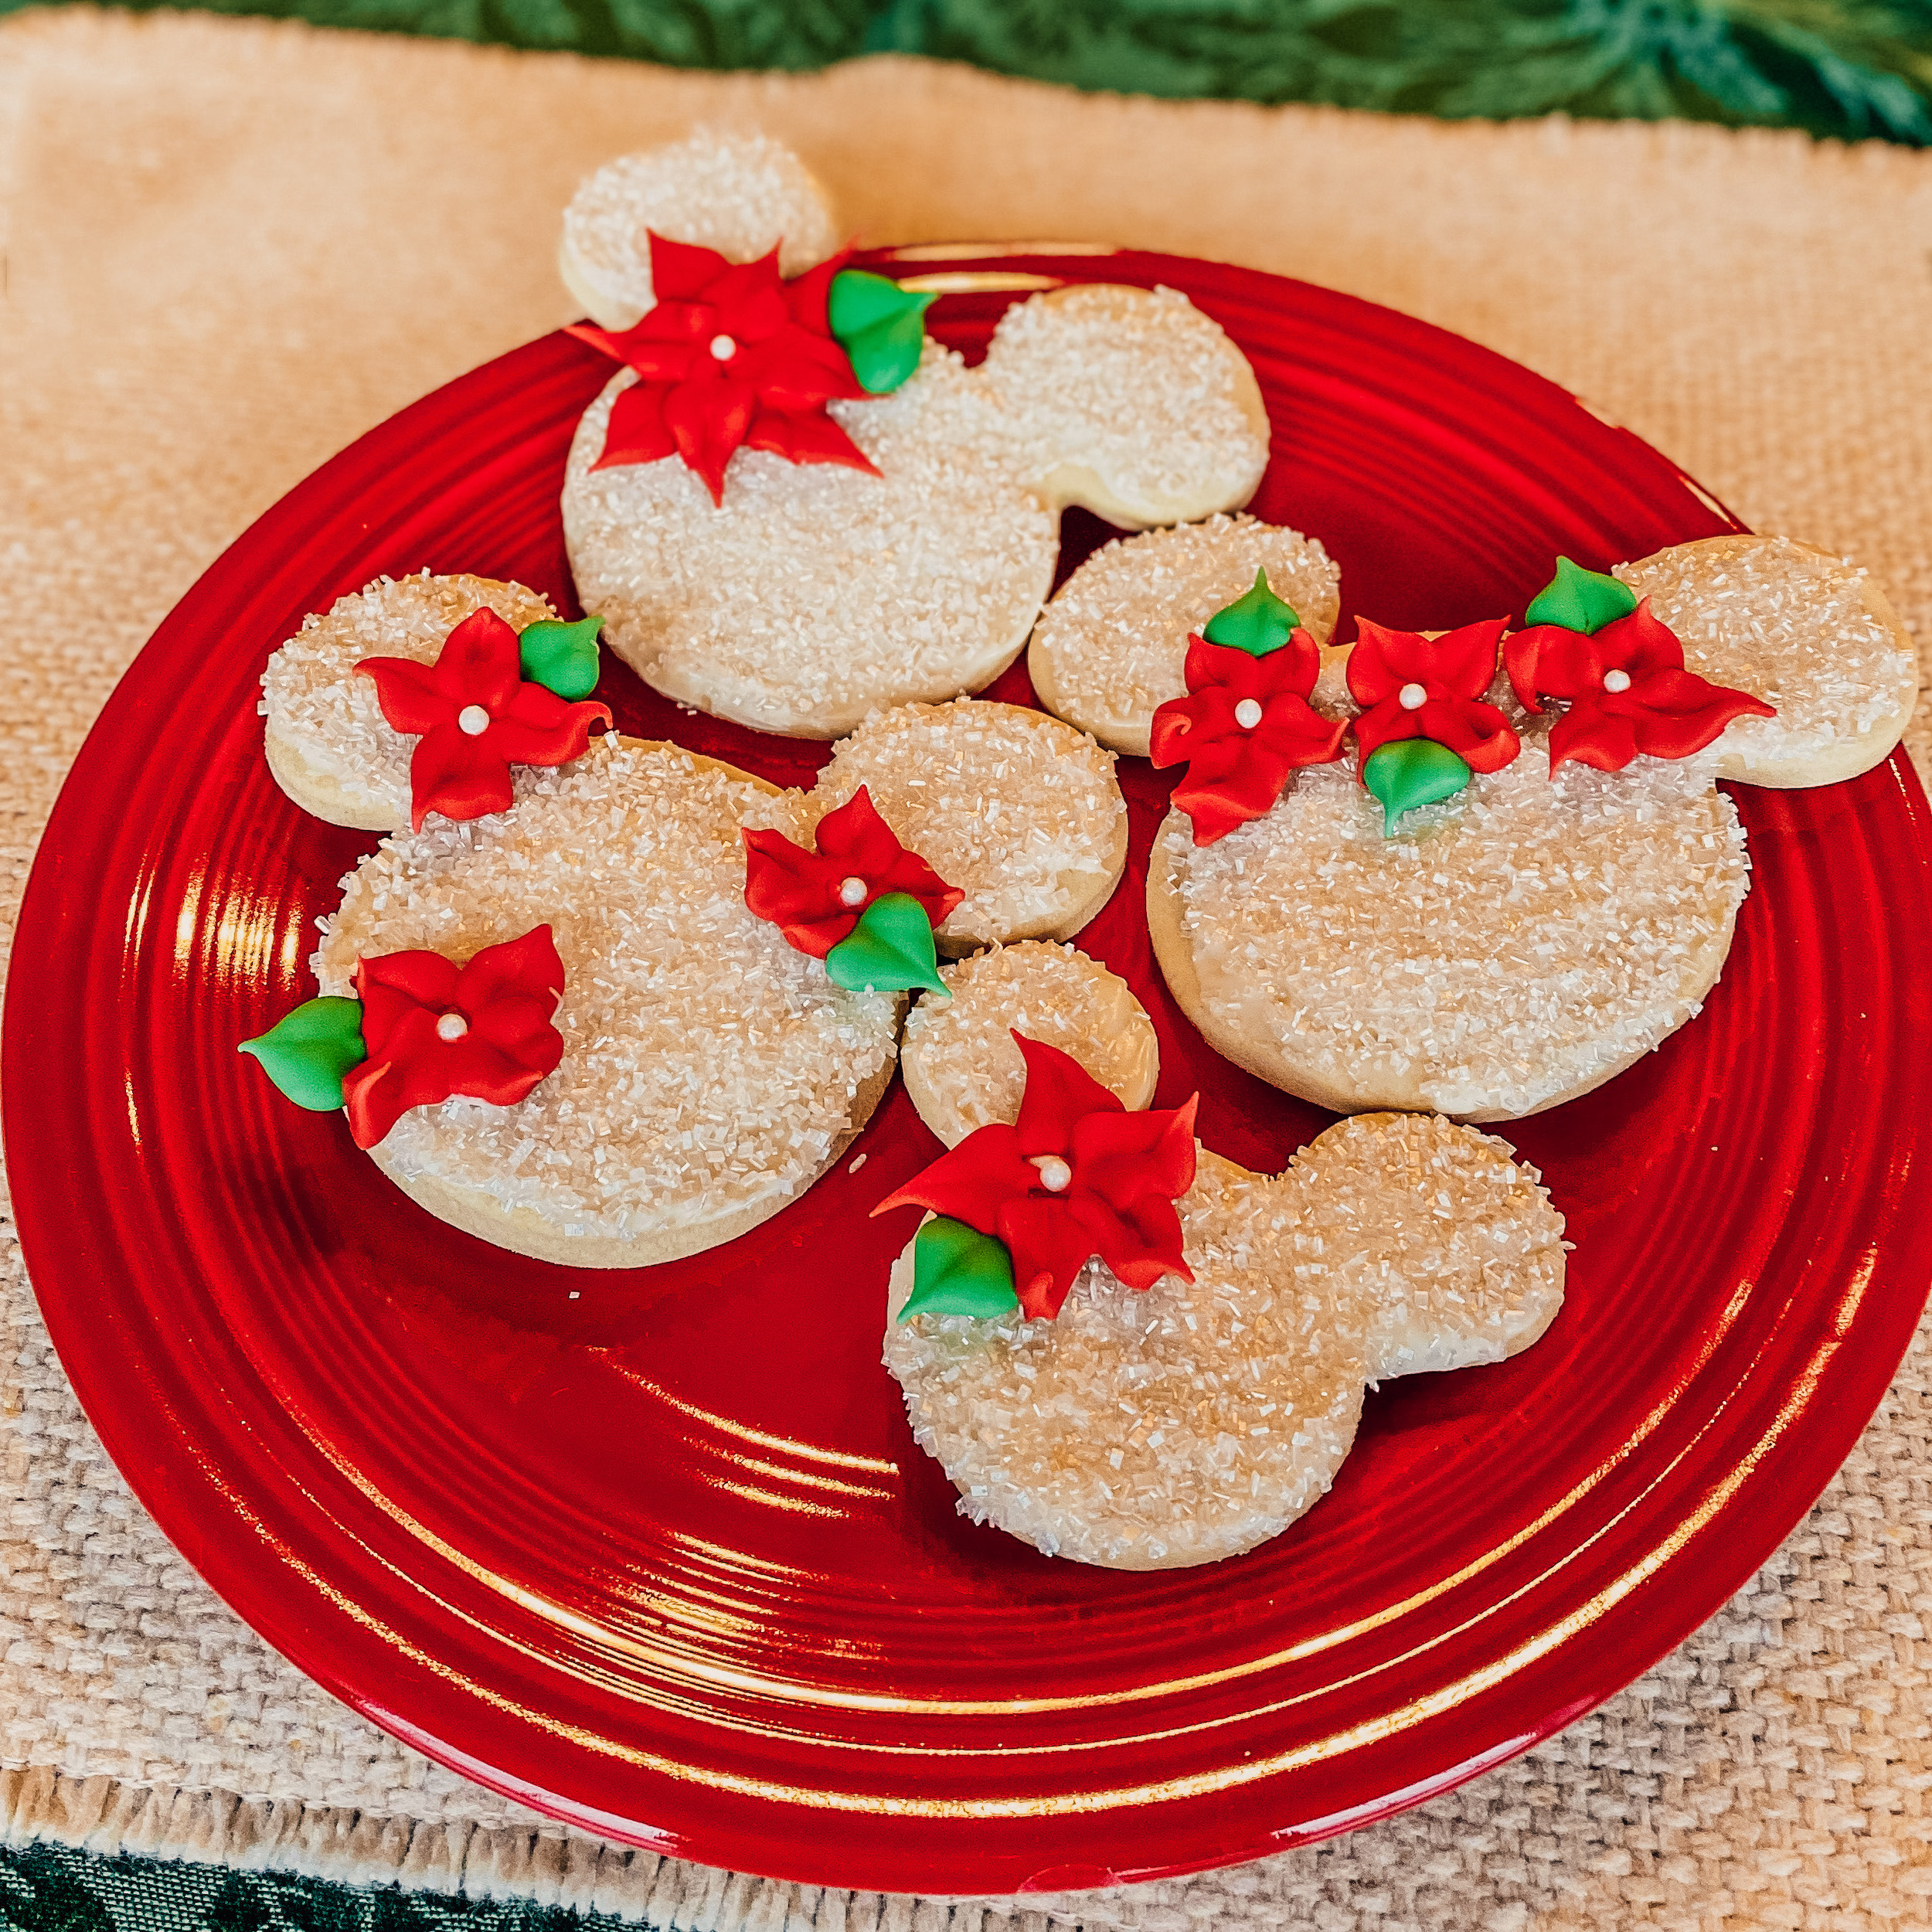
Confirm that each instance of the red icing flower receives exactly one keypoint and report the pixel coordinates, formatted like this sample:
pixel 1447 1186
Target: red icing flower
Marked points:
pixel 1627 690
pixel 476 718
pixel 731 355
pixel 1410 686
pixel 1078 1175
pixel 814 898
pixel 435 1029
pixel 1244 726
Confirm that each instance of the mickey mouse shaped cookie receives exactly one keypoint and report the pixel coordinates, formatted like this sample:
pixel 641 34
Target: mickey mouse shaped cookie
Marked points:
pixel 1128 1350
pixel 608 1003
pixel 1524 878
pixel 791 507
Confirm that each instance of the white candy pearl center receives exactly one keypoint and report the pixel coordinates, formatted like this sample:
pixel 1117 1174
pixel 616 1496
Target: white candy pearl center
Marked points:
pixel 472 720
pixel 451 1027
pixel 1412 697
pixel 1055 1175
pixel 852 891
pixel 723 348
pixel 1247 713
pixel 1616 680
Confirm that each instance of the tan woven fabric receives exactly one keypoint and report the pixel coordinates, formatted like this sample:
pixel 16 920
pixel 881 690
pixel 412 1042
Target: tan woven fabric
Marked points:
pixel 231 247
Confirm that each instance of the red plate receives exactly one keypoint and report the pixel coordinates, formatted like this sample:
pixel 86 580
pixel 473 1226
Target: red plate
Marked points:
pixel 654 1551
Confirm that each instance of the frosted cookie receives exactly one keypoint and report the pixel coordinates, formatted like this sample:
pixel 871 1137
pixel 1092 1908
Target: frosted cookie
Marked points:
pixel 634 1014
pixel 961 1067
pixel 792 509
pixel 1521 884
pixel 1131 1352
pixel 334 750
pixel 1022 813
pixel 1812 635
pixel 1111 646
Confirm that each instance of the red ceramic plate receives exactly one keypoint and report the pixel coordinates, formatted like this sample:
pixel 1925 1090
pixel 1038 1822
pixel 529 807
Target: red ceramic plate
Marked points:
pixel 654 1551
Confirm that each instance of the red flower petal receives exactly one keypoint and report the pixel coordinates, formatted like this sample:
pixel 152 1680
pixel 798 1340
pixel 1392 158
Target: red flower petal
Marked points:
pixel 455 774
pixel 681 271
pixel 971 1182
pixel 804 438
pixel 537 727
pixel 1050 1246
pixel 1059 1094
pixel 1478 734
pixel 859 841
pixel 637 432
pixel 506 995
pixel 808 296
pixel 1122 1156
pixel 411 699
pixel 1459 664
pixel 709 416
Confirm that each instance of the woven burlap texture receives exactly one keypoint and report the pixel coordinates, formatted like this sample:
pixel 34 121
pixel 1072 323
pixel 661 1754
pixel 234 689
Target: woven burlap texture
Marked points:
pixel 231 247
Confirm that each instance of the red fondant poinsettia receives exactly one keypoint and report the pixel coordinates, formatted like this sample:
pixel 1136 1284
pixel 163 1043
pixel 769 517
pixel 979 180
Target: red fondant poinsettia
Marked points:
pixel 731 355
pixel 1077 1175
pixel 1410 686
pixel 1244 726
pixel 476 717
pixel 434 1029
pixel 815 898
pixel 1627 689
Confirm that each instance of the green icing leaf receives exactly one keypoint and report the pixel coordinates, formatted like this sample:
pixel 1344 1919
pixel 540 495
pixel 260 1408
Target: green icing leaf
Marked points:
pixel 958 1270
pixel 889 951
pixel 307 1053
pixel 562 657
pixel 1257 622
pixel 879 325
pixel 1409 772
pixel 1580 600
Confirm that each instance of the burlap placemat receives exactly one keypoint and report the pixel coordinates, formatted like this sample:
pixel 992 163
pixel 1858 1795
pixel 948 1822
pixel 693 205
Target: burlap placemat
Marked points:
pixel 229 247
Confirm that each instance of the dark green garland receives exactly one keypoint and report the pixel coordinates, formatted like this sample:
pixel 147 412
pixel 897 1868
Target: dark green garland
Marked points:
pixel 1847 68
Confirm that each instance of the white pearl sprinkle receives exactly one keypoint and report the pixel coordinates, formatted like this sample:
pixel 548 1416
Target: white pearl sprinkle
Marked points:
pixel 1616 680
pixel 1055 1175
pixel 852 891
pixel 1247 713
pixel 1412 697
pixel 472 720
pixel 451 1027
pixel 723 348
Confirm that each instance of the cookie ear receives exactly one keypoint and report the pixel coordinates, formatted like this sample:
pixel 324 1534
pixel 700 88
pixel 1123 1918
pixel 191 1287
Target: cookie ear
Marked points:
pixel 1454 1256
pixel 1131 402
pixel 1020 812
pixel 1112 647
pixel 743 195
pixel 1810 634
pixel 962 1070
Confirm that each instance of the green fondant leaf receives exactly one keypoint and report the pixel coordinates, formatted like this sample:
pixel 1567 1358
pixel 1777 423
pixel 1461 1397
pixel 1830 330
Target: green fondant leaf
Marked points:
pixel 880 326
pixel 562 657
pixel 1409 772
pixel 958 1270
pixel 1580 600
pixel 307 1053
pixel 1257 622
pixel 889 951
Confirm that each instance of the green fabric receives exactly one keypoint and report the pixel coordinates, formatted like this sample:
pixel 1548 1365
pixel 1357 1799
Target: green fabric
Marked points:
pixel 1849 68
pixel 47 1888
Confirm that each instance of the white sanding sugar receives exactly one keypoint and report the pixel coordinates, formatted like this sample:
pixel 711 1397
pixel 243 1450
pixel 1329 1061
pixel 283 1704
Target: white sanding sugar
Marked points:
pixel 1506 946
pixel 706 1064
pixel 1778 620
pixel 314 698
pixel 1190 1423
pixel 1138 387
pixel 1019 810
pixel 959 1051
pixel 738 194
pixel 1112 643
pixel 817 590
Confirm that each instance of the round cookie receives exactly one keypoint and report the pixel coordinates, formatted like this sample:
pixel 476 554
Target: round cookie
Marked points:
pixel 1515 946
pixel 1109 649
pixel 961 1067
pixel 710 1072
pixel 328 745
pixel 1192 1421
pixel 1020 811
pixel 1802 629
pixel 742 195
